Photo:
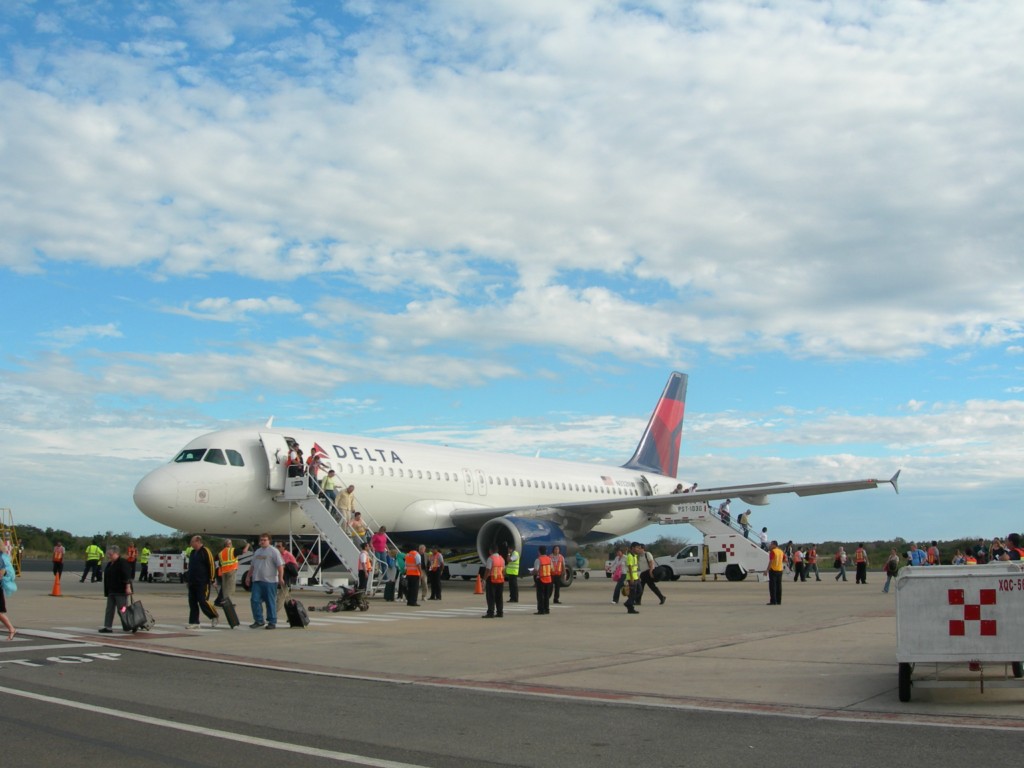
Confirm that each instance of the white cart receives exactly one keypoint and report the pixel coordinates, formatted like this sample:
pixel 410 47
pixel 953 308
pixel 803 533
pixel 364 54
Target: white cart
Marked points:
pixel 962 615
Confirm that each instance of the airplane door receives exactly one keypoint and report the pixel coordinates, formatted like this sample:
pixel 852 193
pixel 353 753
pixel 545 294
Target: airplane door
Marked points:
pixel 481 482
pixel 276 448
pixel 645 486
pixel 469 481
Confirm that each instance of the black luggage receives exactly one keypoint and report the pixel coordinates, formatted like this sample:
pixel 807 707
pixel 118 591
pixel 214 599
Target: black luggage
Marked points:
pixel 389 591
pixel 230 612
pixel 134 617
pixel 296 611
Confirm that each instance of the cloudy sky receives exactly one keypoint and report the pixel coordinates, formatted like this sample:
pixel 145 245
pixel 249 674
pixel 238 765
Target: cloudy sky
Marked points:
pixel 502 224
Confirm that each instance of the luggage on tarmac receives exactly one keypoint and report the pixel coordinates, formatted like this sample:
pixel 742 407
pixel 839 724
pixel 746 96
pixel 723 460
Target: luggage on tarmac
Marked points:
pixel 296 611
pixel 389 591
pixel 230 612
pixel 134 617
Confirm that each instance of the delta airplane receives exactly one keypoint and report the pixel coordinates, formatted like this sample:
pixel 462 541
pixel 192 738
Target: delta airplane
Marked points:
pixel 231 482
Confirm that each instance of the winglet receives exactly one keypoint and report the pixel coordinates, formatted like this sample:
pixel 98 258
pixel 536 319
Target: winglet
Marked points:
pixel 893 480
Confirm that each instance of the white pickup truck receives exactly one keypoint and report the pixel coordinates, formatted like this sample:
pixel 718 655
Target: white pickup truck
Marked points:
pixel 686 562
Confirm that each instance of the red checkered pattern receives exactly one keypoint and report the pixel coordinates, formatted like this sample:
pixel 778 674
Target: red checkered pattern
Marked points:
pixel 972 613
pixel 730 550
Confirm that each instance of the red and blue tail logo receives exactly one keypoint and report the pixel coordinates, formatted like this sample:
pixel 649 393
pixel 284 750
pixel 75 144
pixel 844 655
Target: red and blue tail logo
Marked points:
pixel 658 450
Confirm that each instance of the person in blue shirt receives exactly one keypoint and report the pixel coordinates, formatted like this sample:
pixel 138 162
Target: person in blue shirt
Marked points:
pixel 917 556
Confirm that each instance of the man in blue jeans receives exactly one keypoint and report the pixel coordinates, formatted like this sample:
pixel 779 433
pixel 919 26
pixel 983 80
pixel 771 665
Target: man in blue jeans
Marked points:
pixel 267 570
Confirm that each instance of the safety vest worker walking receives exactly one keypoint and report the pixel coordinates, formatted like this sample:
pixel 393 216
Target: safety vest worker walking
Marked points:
pixel 542 580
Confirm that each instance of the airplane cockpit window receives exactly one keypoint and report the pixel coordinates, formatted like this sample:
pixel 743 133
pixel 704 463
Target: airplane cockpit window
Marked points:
pixel 235 458
pixel 189 454
pixel 215 456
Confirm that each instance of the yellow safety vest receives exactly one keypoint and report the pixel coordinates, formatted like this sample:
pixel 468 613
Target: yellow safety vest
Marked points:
pixel 512 567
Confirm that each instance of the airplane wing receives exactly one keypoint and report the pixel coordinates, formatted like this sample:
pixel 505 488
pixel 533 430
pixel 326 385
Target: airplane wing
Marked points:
pixel 577 518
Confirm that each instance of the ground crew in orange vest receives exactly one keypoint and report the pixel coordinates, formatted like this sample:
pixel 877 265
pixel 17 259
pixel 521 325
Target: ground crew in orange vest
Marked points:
pixel 860 557
pixel 494 576
pixel 58 560
pixel 131 554
pixel 811 563
pixel 413 567
pixel 542 580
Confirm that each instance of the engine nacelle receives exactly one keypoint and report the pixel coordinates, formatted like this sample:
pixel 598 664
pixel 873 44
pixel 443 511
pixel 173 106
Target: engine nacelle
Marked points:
pixel 523 535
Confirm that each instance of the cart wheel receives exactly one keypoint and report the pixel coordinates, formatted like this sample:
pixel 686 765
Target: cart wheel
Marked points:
pixel 1018 669
pixel 364 605
pixel 905 672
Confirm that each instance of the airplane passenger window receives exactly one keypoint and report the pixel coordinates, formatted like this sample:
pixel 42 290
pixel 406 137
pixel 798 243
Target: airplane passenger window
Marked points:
pixel 189 454
pixel 215 456
pixel 445 476
pixel 419 474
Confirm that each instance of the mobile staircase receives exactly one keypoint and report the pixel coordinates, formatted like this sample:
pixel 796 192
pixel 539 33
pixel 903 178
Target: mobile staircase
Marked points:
pixel 325 518
pixel 728 551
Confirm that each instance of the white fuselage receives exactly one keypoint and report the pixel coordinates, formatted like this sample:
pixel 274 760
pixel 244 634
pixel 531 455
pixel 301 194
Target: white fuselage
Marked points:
pixel 410 488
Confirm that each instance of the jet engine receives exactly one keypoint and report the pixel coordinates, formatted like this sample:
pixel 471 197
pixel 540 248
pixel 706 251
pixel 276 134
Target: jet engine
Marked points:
pixel 523 535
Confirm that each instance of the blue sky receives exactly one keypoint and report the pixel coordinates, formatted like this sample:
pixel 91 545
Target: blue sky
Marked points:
pixel 500 225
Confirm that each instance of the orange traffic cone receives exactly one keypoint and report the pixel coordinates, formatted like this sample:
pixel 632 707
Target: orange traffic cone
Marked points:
pixel 56 587
pixel 479 586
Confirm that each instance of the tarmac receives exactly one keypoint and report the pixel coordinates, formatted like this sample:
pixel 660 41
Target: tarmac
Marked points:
pixel 829 651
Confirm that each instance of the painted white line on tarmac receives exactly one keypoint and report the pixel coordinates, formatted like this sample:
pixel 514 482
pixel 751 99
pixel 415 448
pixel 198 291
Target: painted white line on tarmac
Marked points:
pixel 299 749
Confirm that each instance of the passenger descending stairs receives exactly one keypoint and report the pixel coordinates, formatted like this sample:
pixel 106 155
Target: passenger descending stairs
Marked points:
pixel 336 538
pixel 297 491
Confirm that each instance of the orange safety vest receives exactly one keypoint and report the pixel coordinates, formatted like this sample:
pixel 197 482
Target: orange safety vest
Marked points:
pixel 812 556
pixel 558 565
pixel 131 555
pixel 58 555
pixel 544 572
pixel 971 560
pixel 412 568
pixel 775 558
pixel 435 561
pixel 933 556
pixel 497 569
pixel 228 561
pixel 797 557
pixel 860 555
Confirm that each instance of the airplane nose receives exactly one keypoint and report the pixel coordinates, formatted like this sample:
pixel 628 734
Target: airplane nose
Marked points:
pixel 156 494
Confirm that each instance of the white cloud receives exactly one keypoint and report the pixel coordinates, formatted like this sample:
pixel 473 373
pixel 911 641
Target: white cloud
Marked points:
pixel 225 310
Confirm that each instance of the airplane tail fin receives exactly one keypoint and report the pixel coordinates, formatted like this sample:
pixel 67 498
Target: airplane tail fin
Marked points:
pixel 658 450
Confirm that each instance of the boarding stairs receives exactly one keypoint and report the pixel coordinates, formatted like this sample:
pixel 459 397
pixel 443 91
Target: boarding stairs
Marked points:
pixel 325 518
pixel 726 543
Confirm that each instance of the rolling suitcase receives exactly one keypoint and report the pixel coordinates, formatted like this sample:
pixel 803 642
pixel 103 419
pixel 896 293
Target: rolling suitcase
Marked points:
pixel 389 591
pixel 297 616
pixel 134 616
pixel 230 612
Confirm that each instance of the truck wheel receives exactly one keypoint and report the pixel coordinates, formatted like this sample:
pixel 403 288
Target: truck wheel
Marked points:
pixel 567 578
pixel 662 573
pixel 905 683
pixel 734 573
pixel 1018 669
pixel 586 575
